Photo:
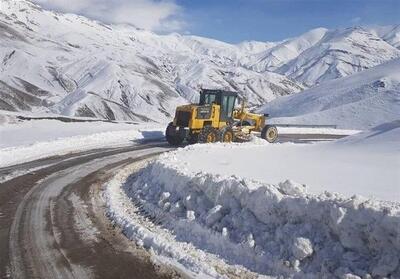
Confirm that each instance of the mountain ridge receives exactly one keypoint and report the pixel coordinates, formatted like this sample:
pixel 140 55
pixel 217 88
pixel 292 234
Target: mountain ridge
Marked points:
pixel 82 67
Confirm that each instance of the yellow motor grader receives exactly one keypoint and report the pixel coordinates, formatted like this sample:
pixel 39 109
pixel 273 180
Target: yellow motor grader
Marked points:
pixel 215 119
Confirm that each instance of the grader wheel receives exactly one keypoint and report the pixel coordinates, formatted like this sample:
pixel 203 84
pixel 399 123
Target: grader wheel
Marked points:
pixel 269 133
pixel 227 135
pixel 193 138
pixel 208 135
pixel 173 136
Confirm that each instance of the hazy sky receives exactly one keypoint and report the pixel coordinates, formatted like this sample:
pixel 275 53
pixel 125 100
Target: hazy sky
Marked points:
pixel 235 20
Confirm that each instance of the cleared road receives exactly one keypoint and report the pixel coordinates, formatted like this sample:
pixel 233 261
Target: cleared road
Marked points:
pixel 53 222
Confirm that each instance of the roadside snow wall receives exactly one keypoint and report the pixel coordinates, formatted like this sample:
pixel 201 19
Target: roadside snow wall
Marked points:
pixel 273 229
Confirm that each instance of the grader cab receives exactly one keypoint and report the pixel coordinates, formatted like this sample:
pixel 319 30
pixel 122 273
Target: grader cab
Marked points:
pixel 214 119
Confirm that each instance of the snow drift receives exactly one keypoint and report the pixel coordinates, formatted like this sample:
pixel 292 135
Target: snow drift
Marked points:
pixel 273 229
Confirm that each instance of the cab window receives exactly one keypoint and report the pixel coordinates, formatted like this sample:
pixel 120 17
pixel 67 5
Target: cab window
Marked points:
pixel 208 99
pixel 228 103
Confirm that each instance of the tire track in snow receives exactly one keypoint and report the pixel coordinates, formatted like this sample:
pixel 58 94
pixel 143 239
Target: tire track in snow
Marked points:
pixel 34 220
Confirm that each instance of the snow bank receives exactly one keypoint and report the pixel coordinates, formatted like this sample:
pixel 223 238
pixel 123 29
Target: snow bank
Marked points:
pixel 275 229
pixel 35 139
pixel 162 243
pixel 272 229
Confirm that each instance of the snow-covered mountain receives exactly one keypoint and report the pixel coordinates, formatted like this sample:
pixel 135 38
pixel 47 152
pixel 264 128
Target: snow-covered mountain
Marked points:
pixel 321 54
pixel 360 101
pixel 339 53
pixel 390 34
pixel 68 64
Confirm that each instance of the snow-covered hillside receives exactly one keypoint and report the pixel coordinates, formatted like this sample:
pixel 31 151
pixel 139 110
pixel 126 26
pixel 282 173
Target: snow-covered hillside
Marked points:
pixel 390 34
pixel 339 53
pixel 321 54
pixel 70 65
pixel 360 101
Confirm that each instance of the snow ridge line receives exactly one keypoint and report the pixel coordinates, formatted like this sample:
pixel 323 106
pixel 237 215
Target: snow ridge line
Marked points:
pixel 275 229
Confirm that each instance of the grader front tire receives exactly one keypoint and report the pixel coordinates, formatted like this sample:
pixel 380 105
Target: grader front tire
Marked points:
pixel 269 133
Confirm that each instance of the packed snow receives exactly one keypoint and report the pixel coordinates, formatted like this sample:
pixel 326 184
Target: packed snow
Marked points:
pixel 163 244
pixel 322 210
pixel 22 141
pixel 322 167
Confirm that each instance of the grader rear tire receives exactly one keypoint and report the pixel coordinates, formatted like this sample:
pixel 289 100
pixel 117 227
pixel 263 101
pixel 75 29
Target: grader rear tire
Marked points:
pixel 208 135
pixel 193 138
pixel 269 133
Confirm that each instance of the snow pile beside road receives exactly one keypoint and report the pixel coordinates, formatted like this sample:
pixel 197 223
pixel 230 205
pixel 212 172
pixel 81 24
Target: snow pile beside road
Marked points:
pixel 272 229
pixel 329 166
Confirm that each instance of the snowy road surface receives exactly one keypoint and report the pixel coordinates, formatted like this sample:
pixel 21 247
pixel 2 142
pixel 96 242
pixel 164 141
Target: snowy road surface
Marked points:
pixel 53 226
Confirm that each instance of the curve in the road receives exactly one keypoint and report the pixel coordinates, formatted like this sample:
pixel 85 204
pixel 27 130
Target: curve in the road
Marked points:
pixel 51 227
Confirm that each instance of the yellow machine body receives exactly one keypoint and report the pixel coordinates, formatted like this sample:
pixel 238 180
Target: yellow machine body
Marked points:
pixel 214 119
pixel 195 124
